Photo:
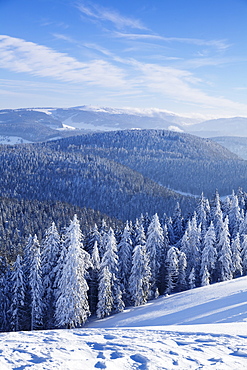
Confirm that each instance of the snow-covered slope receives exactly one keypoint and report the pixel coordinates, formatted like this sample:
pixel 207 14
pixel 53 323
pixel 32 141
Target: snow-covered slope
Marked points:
pixel 204 328
pixel 219 303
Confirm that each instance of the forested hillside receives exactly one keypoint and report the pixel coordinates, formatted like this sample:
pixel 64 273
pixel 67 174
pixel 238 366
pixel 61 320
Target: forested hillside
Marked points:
pixel 180 161
pixel 50 173
pixel 20 218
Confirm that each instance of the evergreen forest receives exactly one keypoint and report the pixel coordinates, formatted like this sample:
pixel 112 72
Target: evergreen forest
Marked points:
pixel 60 279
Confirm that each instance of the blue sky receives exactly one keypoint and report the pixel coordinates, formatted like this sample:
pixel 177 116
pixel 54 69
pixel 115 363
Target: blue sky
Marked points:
pixel 189 57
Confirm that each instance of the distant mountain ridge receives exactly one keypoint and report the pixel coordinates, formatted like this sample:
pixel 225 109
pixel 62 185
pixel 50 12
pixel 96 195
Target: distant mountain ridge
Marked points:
pixel 42 124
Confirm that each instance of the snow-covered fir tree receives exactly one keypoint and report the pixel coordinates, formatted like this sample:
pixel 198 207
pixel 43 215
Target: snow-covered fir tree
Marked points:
pixel 237 268
pixel 26 263
pixel 17 296
pixel 217 216
pixel 205 277
pixel 72 308
pixel 36 290
pixel 125 249
pixel 234 216
pixel 182 267
pixel 244 254
pixel 177 223
pixel 225 253
pixel 154 245
pixel 110 260
pixel 191 246
pixel 139 236
pixel 203 211
pixel 139 282
pixel 103 238
pixel 209 253
pixel 49 261
pixel 105 298
pixel 5 299
pixel 93 280
pixel 172 269
pixel 92 237
pixel 192 279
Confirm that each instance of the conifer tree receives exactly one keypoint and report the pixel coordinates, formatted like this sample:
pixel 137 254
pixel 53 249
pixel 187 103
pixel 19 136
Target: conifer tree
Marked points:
pixel 234 216
pixel 49 261
pixel 140 237
pixel 154 245
pixel 182 267
pixel 203 211
pixel 26 264
pixel 125 249
pixel 5 299
pixel 243 224
pixel 35 282
pixel 110 260
pixel 172 269
pixel 177 222
pixel 94 279
pixel 209 252
pixel 205 277
pixel 237 268
pixel 217 217
pixel 103 239
pixel 72 308
pixel 191 246
pixel 139 282
pixel 17 296
pixel 105 301
pixel 244 254
pixel 163 266
pixel 225 253
pixel 90 239
pixel 192 279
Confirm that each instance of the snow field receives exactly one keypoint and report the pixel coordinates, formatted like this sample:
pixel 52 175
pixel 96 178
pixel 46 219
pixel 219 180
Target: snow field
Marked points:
pixel 119 349
pixel 204 328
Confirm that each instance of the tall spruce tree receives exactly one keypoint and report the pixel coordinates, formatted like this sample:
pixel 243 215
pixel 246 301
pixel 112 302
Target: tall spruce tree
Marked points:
pixel 17 296
pixel 234 216
pixel 139 282
pixel 191 246
pixel 209 253
pixel 237 268
pixel 244 254
pixel 225 253
pixel 110 260
pixel 177 222
pixel 172 269
pixel 49 261
pixel 125 249
pixel 105 300
pixel 72 308
pixel 93 280
pixel 36 290
pixel 154 245
pixel 182 268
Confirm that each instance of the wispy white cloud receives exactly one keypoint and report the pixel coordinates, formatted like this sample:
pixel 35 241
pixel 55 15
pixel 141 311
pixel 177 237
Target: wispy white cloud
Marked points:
pixel 61 36
pixel 219 44
pixel 127 77
pixel 21 56
pixel 101 13
pixel 182 86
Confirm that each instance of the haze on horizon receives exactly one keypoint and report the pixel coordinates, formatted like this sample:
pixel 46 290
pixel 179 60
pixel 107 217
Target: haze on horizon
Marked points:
pixel 188 58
